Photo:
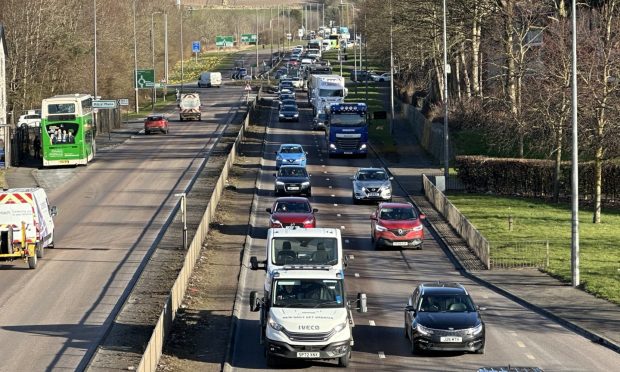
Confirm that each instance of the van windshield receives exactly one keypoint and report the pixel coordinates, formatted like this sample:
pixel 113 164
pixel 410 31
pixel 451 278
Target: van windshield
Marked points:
pixel 304 250
pixel 308 293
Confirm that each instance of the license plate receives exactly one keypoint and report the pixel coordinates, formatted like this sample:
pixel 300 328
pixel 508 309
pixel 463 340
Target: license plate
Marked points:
pixel 451 339
pixel 400 243
pixel 293 188
pixel 374 194
pixel 63 161
pixel 348 152
pixel 308 354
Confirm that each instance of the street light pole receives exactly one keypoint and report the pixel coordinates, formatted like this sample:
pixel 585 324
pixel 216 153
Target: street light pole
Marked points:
pixel 183 200
pixel 154 93
pixel 257 42
pixel 135 58
pixel 166 47
pixel 446 151
pixel 391 69
pixel 574 162
pixel 95 42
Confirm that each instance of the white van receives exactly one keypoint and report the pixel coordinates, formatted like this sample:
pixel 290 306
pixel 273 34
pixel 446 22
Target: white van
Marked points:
pixel 210 79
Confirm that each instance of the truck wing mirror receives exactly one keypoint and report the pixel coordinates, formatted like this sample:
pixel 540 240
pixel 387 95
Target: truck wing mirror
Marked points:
pixel 53 210
pixel 254 263
pixel 255 302
pixel 362 306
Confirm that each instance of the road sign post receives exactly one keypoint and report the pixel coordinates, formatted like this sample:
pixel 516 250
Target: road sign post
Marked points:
pixel 196 48
pixel 224 41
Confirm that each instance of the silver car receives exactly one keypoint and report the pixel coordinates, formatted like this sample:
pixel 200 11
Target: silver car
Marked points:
pixel 371 184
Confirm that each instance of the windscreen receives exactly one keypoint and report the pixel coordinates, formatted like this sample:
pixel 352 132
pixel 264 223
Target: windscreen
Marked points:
pixel 291 150
pixel 331 93
pixel 293 172
pixel 304 250
pixel 292 207
pixel 446 303
pixel 372 175
pixel 347 120
pixel 303 293
pixel 397 214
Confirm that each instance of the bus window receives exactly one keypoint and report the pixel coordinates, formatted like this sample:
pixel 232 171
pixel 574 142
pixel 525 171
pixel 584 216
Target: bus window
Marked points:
pixel 61 108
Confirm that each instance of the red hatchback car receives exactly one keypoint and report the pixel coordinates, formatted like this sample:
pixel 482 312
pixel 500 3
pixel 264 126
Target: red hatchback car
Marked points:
pixel 396 225
pixel 292 211
pixel 155 123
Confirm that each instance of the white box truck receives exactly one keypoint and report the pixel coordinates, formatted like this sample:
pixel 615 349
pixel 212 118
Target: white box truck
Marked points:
pixel 26 224
pixel 324 90
pixel 305 315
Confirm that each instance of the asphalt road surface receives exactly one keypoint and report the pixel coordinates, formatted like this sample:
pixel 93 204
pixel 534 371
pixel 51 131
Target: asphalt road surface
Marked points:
pixel 515 335
pixel 110 212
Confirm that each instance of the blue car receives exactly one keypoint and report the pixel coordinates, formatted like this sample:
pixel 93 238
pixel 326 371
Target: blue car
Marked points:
pixel 290 154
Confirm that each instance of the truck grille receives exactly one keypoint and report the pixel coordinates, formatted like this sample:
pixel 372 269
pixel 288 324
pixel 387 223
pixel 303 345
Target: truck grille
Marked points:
pixel 309 337
pixel 348 144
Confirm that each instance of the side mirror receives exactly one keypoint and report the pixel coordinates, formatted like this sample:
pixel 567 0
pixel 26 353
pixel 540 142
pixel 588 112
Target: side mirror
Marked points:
pixel 268 210
pixel 422 216
pixel 254 303
pixel 409 308
pixel 480 308
pixel 352 178
pixel 53 210
pixel 253 263
pixel 315 210
pixel 275 152
pixel 373 217
pixel 362 306
pixel 275 175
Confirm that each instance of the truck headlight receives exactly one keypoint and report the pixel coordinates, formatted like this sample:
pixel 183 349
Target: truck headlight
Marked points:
pixel 363 147
pixel 339 327
pixel 332 146
pixel 274 325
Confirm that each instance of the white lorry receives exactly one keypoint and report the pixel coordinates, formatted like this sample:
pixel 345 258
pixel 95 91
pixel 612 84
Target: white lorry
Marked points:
pixel 296 247
pixel 26 224
pixel 189 106
pixel 325 90
pixel 305 315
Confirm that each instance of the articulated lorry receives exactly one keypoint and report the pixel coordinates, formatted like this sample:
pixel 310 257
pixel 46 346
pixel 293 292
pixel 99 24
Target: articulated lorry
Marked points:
pixel 189 106
pixel 325 90
pixel 26 225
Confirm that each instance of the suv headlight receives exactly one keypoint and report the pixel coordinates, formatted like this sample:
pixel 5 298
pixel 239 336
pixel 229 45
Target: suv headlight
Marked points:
pixel 279 183
pixel 279 157
pixel 274 325
pixel 423 330
pixel 380 228
pixel 476 330
pixel 306 183
pixel 418 228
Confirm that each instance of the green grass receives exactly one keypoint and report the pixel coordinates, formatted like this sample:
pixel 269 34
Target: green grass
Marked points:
pixel 536 220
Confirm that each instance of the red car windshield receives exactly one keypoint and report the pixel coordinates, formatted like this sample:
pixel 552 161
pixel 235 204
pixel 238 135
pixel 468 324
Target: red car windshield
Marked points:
pixel 292 207
pixel 397 214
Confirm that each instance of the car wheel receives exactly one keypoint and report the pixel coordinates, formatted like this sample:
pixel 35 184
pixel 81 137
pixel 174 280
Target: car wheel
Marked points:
pixel 376 245
pixel 309 193
pixel 481 350
pixel 272 361
pixel 372 235
pixel 419 247
pixel 355 201
pixel 405 328
pixel 32 262
pixel 40 250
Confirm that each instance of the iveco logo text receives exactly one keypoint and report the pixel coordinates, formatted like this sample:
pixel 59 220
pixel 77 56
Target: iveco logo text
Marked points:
pixel 308 327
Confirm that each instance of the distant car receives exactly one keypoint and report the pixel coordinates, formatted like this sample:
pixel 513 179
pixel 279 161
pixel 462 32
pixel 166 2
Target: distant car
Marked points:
pixel 290 91
pixel 290 154
pixel 360 75
pixel 380 77
pixel 155 123
pixel 30 119
pixel 292 179
pixel 287 101
pixel 319 122
pixel 292 211
pixel 396 225
pixel 298 82
pixel 442 316
pixel 371 184
pixel 239 73
pixel 288 113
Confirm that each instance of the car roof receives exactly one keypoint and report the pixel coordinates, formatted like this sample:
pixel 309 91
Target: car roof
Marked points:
pixel 371 169
pixel 294 199
pixel 290 145
pixel 442 288
pixel 395 205
pixel 291 166
pixel 304 232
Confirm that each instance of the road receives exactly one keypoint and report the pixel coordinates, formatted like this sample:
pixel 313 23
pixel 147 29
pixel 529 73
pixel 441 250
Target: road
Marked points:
pixel 515 335
pixel 53 318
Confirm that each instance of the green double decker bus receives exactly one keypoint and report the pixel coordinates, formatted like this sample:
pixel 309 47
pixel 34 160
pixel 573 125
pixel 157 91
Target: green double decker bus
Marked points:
pixel 67 130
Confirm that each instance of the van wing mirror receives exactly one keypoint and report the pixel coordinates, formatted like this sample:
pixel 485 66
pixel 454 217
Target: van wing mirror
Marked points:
pixel 53 210
pixel 362 305
pixel 255 302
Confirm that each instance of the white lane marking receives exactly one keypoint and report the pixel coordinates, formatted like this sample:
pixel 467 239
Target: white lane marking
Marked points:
pixel 333 196
pixel 530 356
pixel 513 333
pixel 342 227
pixel 371 322
pixel 335 205
pixel 381 355
pixel 324 172
pixel 346 241
pixel 326 179
pixel 351 257
pixel 323 166
pixel 338 215
pixel 357 275
pixel 520 344
pixel 330 187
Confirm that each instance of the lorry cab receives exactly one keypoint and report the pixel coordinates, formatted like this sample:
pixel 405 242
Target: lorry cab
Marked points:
pixel 296 247
pixel 305 315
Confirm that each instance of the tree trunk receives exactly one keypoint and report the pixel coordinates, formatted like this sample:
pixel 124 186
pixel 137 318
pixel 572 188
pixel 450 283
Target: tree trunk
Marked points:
pixel 558 162
pixel 466 80
pixel 475 52
pixel 598 183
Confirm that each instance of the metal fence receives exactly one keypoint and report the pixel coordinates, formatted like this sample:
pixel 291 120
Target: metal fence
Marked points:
pixel 453 183
pixel 519 254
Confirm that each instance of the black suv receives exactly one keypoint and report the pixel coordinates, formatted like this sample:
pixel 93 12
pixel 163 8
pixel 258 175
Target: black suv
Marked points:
pixel 442 316
pixel 292 180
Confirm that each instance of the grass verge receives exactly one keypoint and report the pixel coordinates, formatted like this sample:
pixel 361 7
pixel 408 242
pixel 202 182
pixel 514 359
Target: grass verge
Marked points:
pixel 537 220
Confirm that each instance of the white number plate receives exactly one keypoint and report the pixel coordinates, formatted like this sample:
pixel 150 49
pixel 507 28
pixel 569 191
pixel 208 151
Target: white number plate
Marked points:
pixel 308 354
pixel 348 152
pixel 374 194
pixel 401 243
pixel 293 188
pixel 451 339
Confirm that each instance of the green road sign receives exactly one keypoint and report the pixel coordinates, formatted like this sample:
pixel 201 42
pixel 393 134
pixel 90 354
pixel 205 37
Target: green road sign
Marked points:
pixel 224 41
pixel 248 38
pixel 145 79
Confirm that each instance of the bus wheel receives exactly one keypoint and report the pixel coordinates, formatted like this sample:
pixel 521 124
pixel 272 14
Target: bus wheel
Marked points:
pixel 32 262
pixel 40 250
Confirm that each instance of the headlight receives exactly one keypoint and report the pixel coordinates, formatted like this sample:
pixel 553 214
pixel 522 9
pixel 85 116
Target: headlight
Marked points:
pixel 380 228
pixel 418 228
pixel 386 186
pixel 357 186
pixel 340 327
pixel 332 146
pixel 281 115
pixel 274 325
pixel 423 330
pixel 275 222
pixel 296 115
pixel 279 183
pixel 476 330
pixel 279 157
pixel 363 147
pixel 306 183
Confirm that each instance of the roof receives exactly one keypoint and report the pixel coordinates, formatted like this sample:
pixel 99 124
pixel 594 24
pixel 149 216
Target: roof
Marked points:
pixel 371 169
pixel 323 272
pixel 6 52
pixel 396 205
pixel 304 232
pixel 442 288
pixel 297 199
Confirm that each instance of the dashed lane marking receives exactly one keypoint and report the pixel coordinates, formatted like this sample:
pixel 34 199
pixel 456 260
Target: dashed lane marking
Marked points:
pixel 330 187
pixel 351 257
pixel 346 241
pixel 357 275
pixel 338 215
pixel 530 356
pixel 520 344
pixel 342 227
pixel 335 204
pixel 333 196
pixel 371 322
pixel 381 355
pixel 326 179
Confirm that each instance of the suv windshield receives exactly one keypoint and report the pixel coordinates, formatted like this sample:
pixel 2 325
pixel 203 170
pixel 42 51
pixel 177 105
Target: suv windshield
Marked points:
pixel 397 214
pixel 292 207
pixel 304 250
pixel 304 293
pixel 372 176
pixel 446 303
pixel 293 172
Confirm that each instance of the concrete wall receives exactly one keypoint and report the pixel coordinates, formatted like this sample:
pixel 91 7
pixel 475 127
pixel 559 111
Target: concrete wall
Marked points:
pixel 430 135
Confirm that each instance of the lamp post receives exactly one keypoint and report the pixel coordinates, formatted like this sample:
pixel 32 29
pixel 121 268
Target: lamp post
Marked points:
pixel 257 42
pixel 135 58
pixel 574 160
pixel 95 49
pixel 183 201
pixel 446 151
pixel 153 57
pixel 391 69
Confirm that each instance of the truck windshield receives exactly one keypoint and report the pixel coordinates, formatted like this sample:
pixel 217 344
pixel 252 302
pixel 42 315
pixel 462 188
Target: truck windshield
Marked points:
pixel 347 120
pixel 331 93
pixel 304 250
pixel 308 293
